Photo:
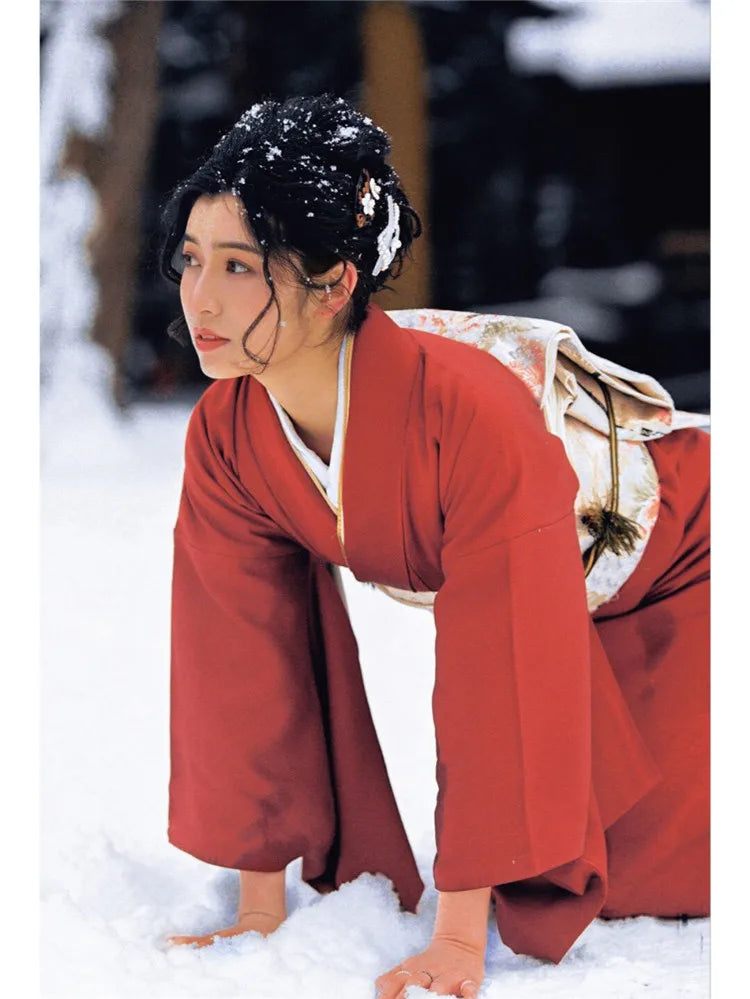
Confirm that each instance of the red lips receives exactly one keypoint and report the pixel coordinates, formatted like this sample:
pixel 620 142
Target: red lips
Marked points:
pixel 207 340
pixel 202 333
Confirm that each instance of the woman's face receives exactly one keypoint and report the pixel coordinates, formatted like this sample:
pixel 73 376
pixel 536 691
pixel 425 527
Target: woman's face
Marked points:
pixel 223 290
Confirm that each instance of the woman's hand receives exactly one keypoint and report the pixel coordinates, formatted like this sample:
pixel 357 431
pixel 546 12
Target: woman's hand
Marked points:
pixel 453 964
pixel 448 968
pixel 262 908
pixel 260 922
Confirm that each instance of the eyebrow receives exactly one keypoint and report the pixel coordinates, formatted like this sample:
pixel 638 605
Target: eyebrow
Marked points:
pixel 225 246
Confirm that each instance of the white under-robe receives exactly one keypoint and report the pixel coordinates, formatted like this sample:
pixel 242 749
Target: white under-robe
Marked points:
pixel 327 475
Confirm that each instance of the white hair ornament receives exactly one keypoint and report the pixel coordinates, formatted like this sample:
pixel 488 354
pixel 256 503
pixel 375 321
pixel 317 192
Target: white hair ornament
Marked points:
pixel 388 241
pixel 367 193
pixel 370 197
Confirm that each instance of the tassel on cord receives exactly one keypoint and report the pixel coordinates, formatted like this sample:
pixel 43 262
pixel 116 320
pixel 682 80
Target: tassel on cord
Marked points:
pixel 613 530
pixel 610 528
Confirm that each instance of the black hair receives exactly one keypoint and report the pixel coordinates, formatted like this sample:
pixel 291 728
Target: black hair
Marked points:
pixel 299 168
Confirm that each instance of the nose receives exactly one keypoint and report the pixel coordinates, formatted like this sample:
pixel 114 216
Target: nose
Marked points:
pixel 201 294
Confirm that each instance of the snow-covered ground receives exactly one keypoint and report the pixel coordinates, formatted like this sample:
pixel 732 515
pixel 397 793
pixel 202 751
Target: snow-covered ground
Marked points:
pixel 112 887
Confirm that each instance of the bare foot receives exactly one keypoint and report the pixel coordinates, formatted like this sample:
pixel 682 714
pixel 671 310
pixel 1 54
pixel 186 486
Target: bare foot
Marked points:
pixel 258 922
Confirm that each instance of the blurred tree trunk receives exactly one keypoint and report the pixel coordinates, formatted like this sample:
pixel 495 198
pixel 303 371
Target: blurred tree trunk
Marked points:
pixel 116 168
pixel 395 95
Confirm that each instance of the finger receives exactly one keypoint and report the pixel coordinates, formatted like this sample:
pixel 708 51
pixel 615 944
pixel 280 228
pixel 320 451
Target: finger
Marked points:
pixel 391 986
pixel 428 984
pixel 419 980
pixel 406 979
pixel 394 990
pixel 440 990
pixel 402 983
pixel 182 940
pixel 202 941
pixel 468 989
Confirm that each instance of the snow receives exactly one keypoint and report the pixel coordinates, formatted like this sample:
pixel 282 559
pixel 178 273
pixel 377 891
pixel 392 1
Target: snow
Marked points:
pixel 113 888
pixel 76 70
pixel 76 60
pixel 347 132
pixel 592 43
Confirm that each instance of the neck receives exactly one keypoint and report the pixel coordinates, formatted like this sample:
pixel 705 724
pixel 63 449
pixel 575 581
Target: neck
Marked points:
pixel 308 391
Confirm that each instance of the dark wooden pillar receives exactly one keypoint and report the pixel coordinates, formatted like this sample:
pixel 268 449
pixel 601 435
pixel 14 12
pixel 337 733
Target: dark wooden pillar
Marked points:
pixel 395 96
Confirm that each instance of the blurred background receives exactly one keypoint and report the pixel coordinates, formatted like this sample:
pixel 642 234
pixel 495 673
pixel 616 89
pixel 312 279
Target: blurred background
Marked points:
pixel 558 153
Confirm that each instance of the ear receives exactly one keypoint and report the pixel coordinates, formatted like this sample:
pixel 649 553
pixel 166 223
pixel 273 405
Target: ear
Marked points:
pixel 341 283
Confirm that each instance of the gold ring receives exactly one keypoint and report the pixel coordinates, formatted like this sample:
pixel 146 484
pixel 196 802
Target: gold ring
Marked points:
pixel 431 977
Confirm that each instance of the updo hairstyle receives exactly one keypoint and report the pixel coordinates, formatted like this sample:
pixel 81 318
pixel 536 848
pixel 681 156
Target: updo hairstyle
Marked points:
pixel 301 168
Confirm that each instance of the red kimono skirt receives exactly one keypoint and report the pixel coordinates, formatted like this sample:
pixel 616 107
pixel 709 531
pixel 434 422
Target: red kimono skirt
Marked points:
pixel 571 749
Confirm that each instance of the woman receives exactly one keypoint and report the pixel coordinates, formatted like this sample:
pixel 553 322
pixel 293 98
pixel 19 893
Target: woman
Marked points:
pixel 571 745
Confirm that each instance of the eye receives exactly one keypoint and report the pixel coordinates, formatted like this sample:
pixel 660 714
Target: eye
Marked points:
pixel 243 268
pixel 187 259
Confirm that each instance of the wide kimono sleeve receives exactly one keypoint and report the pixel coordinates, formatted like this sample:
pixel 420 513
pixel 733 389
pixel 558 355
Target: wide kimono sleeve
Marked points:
pixel 513 694
pixel 249 783
pixel 274 754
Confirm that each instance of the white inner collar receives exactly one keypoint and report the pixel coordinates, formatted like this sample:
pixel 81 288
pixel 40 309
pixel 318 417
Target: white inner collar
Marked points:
pixel 328 475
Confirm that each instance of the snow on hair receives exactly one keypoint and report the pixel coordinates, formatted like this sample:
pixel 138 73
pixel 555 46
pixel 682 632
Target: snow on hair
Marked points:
pixel 295 165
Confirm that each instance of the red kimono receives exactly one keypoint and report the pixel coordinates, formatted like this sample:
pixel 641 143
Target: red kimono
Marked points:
pixel 572 751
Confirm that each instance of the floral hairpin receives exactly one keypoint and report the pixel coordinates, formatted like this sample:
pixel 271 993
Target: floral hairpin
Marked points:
pixel 367 193
pixel 388 241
